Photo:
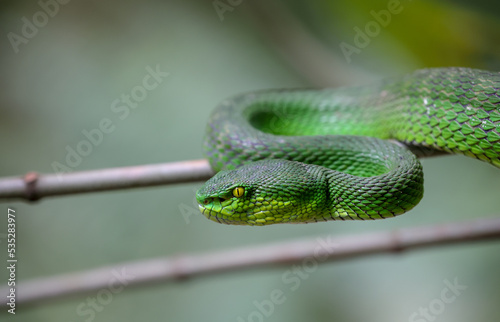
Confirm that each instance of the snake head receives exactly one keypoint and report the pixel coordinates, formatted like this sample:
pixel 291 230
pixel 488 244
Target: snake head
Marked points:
pixel 263 193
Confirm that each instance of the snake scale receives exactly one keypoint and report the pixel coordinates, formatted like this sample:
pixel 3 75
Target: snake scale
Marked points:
pixel 301 156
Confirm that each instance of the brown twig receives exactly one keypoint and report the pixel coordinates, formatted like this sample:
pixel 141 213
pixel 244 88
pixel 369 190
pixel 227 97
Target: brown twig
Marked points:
pixel 33 186
pixel 314 250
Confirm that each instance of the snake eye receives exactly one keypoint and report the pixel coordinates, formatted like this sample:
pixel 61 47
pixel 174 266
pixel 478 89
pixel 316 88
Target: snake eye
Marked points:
pixel 238 192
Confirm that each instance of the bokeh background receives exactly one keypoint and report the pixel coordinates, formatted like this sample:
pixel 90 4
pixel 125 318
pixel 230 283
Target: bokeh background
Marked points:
pixel 63 80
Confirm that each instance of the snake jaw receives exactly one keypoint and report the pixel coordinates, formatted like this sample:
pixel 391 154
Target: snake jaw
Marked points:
pixel 218 208
pixel 229 217
pixel 232 210
pixel 212 215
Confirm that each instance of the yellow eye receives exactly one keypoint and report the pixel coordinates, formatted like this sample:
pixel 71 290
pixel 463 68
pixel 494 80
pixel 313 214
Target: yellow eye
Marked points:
pixel 238 192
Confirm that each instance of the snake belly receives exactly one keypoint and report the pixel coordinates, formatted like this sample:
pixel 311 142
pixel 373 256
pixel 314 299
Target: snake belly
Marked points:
pixel 301 156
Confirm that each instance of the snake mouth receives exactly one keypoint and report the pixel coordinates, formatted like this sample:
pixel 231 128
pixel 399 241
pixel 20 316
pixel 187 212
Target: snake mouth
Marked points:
pixel 226 217
pixel 209 213
pixel 216 215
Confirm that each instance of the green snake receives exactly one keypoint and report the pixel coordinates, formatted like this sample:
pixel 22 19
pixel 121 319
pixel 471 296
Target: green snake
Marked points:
pixel 302 156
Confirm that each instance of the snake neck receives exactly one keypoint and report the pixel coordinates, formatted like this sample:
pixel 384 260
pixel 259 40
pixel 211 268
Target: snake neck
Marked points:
pixel 387 195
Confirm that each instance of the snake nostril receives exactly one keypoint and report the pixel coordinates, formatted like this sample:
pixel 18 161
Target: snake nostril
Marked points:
pixel 206 201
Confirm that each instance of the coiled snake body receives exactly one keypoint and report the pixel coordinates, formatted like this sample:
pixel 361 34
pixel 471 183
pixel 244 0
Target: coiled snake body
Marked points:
pixel 299 156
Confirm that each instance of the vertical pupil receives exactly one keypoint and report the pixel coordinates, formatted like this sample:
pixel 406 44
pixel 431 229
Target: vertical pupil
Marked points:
pixel 238 192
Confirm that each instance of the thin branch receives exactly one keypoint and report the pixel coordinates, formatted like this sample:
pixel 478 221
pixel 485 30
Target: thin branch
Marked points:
pixel 33 186
pixel 311 251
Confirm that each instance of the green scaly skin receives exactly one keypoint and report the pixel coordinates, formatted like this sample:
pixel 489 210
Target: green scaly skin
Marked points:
pixel 345 153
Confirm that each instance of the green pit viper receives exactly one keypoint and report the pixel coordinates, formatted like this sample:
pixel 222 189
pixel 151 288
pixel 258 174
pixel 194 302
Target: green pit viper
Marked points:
pixel 301 156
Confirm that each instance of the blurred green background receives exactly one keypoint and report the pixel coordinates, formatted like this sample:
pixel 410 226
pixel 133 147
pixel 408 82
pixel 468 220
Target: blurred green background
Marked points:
pixel 63 79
